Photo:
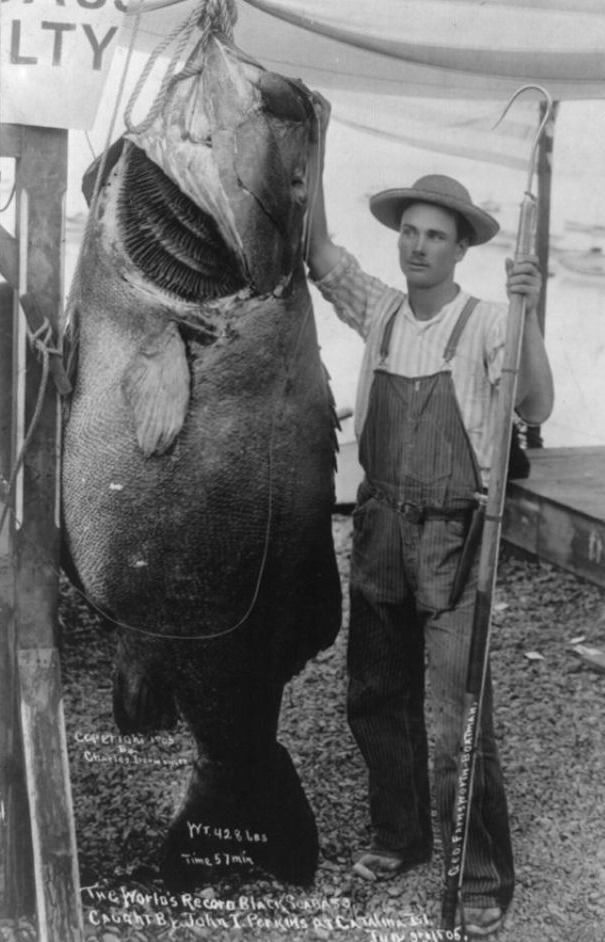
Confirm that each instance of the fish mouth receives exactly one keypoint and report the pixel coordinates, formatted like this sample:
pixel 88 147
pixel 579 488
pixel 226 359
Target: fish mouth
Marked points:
pixel 174 243
pixel 236 140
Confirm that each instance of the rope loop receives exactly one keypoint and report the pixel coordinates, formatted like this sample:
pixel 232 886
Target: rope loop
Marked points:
pixel 217 16
pixel 41 338
pixel 42 346
pixel 210 16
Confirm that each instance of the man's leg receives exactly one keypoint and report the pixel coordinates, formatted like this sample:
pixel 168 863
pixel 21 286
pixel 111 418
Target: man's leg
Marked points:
pixel 488 872
pixel 386 688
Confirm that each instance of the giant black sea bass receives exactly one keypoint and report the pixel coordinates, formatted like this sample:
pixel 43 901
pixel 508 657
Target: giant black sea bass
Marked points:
pixel 199 449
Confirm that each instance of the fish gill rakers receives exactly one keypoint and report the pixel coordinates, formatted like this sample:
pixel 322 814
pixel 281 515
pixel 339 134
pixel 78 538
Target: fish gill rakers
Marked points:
pixel 172 242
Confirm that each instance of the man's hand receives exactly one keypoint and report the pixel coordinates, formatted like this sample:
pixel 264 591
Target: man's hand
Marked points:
pixel 323 109
pixel 535 392
pixel 322 254
pixel 524 278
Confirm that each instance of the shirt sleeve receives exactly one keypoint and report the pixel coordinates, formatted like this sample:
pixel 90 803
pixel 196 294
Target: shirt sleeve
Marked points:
pixel 354 294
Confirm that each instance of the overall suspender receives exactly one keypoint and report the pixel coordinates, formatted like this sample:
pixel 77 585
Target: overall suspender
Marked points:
pixel 452 344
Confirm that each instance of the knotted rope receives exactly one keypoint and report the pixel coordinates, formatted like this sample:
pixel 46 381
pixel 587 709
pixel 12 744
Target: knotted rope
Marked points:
pixel 41 341
pixel 211 16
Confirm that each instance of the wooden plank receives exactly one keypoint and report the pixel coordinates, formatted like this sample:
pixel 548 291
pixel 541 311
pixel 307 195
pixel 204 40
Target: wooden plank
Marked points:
pixel 579 452
pixel 41 183
pixel 572 477
pixel 41 177
pixel 6 389
pixel 17 889
pixel 51 813
pixel 573 541
pixel 556 533
pixel 521 521
pixel 17 886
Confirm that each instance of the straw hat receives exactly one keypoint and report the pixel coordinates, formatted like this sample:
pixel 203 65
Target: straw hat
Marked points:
pixel 388 206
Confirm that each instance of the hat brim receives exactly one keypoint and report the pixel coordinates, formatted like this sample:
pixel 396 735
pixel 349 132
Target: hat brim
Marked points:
pixel 388 207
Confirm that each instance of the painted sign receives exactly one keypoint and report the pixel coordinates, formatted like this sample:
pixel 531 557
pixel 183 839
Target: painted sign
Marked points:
pixel 54 58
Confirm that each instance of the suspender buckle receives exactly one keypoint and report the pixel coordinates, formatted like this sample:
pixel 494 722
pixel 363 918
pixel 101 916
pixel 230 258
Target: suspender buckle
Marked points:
pixel 411 512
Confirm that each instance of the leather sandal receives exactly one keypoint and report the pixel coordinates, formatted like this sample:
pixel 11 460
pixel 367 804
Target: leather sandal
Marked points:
pixel 480 923
pixel 381 864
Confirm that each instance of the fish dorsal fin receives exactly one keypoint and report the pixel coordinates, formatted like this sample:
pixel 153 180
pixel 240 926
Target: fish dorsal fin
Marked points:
pixel 156 387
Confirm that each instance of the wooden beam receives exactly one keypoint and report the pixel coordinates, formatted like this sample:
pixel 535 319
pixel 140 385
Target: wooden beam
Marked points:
pixel 18 888
pixel 41 183
pixel 51 815
pixel 17 891
pixel 7 301
pixel 41 178
pixel 557 514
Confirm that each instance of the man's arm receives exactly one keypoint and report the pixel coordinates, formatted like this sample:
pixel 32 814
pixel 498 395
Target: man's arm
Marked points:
pixel 356 296
pixel 322 254
pixel 535 392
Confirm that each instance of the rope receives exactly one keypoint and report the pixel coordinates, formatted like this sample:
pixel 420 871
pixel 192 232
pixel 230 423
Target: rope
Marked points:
pixel 210 16
pixel 40 341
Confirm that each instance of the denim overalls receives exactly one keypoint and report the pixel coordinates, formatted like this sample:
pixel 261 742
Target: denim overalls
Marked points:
pixel 421 481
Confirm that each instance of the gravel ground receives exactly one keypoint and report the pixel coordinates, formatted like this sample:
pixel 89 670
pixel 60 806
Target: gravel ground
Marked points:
pixel 550 718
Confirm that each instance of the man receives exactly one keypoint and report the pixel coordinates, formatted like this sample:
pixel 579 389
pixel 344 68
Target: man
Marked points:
pixel 425 421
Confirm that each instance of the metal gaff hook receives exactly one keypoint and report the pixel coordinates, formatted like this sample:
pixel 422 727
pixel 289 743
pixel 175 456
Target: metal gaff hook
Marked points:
pixel 527 218
pixel 547 113
pixel 477 669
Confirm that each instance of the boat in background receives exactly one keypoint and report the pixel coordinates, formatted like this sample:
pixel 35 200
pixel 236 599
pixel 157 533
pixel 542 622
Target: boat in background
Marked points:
pixel 590 228
pixel 591 262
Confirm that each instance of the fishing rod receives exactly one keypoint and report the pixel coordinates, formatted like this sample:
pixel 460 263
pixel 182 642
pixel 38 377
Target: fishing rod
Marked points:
pixel 478 662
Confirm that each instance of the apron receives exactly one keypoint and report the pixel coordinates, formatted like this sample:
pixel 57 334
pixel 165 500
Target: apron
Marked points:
pixel 414 448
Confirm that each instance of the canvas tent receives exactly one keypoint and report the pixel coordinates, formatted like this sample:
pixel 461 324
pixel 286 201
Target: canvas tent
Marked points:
pixel 449 48
pixel 426 72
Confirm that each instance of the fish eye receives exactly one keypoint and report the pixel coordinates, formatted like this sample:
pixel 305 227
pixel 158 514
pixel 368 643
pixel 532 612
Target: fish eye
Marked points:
pixel 284 98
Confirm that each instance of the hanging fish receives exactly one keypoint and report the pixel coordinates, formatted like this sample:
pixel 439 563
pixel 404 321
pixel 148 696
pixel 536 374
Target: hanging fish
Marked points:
pixel 198 463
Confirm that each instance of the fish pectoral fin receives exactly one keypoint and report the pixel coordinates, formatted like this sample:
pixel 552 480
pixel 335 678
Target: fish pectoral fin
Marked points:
pixel 157 388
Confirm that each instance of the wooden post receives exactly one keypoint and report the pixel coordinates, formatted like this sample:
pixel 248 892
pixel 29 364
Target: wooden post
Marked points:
pixel 6 389
pixel 544 179
pixel 16 863
pixel 41 177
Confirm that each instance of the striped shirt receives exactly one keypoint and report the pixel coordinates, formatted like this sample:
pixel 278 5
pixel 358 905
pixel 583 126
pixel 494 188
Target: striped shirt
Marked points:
pixel 365 303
